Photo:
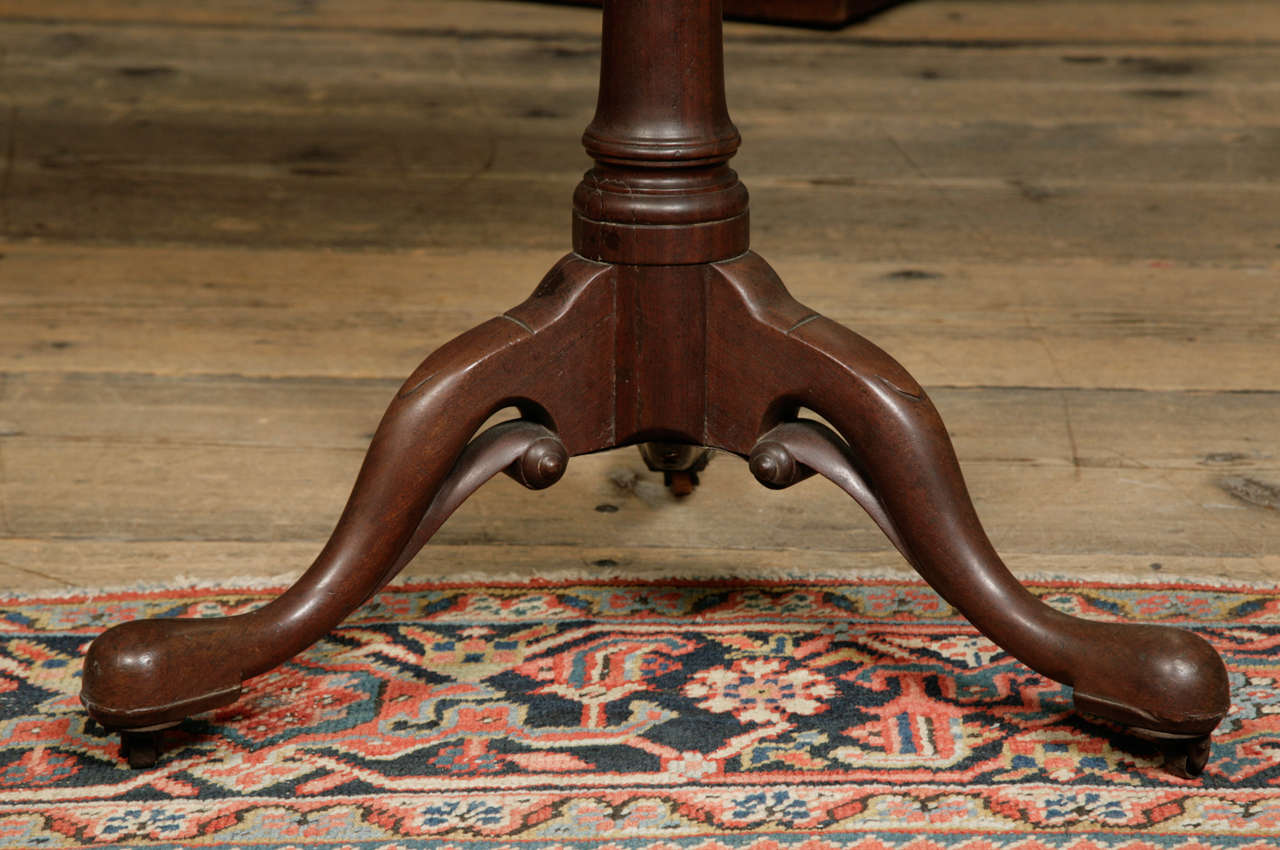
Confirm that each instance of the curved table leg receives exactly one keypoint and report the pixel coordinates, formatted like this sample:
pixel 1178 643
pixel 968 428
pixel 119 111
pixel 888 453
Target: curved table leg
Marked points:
pixel 144 675
pixel 898 463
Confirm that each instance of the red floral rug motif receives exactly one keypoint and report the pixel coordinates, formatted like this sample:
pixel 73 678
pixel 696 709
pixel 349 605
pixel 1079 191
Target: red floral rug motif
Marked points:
pixel 641 716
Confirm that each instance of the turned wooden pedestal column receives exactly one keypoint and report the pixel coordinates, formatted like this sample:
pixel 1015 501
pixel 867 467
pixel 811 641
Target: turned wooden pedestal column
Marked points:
pixel 661 326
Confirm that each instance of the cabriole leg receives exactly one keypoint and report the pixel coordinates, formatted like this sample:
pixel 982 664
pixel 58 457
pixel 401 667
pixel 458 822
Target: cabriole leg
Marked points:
pixel 143 675
pixel 892 454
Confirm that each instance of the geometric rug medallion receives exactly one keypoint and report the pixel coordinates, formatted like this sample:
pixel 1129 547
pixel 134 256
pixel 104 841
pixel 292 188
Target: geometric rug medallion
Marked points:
pixel 658 715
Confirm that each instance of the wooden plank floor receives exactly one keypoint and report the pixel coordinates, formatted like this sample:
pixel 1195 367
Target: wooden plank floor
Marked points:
pixel 230 229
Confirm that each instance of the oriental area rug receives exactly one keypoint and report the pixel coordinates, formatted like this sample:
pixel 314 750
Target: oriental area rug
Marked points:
pixel 657 715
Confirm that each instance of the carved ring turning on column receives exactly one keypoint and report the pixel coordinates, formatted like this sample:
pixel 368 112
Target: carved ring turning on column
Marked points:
pixel 661 327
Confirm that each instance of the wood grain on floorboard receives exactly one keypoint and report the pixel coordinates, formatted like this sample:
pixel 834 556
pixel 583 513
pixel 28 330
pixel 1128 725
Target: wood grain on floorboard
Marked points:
pixel 1073 323
pixel 230 229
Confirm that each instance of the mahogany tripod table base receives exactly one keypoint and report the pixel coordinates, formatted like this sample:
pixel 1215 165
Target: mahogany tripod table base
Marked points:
pixel 661 327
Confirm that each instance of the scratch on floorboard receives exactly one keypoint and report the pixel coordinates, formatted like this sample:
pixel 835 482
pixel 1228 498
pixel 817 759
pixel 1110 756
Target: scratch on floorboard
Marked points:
pixel 1253 491
pixel 968 222
pixel 1071 434
pixel 38 574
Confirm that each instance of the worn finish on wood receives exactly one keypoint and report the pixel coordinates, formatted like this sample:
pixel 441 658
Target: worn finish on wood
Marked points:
pixel 278 314
pixel 1244 22
pixel 155 396
pixel 913 152
pixel 661 327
